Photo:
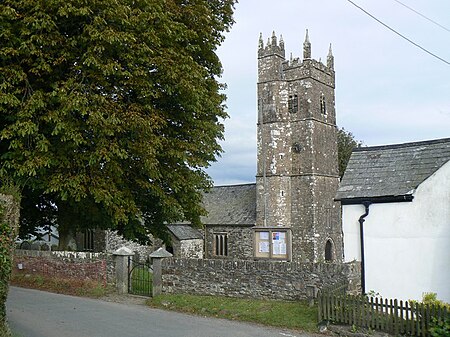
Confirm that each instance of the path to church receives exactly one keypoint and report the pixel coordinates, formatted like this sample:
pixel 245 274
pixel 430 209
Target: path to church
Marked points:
pixel 33 313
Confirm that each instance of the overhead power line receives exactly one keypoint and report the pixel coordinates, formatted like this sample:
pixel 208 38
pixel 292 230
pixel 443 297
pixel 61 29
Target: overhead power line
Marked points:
pixel 425 17
pixel 399 34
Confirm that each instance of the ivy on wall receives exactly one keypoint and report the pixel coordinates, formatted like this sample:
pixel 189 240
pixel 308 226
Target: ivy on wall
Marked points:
pixel 9 219
pixel 5 270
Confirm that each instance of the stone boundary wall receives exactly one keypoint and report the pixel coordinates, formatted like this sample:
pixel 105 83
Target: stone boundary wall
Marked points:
pixel 71 265
pixel 115 241
pixel 255 279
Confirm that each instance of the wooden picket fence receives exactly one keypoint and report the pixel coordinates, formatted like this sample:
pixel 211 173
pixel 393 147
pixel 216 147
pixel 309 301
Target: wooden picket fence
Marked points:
pixel 391 316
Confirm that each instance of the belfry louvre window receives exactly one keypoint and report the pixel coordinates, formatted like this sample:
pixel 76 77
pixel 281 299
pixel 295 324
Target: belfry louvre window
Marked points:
pixel 293 104
pixel 221 244
pixel 323 105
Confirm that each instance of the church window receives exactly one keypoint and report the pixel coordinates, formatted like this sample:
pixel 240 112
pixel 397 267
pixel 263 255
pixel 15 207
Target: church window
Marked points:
pixel 329 251
pixel 221 244
pixel 323 105
pixel 273 243
pixel 293 104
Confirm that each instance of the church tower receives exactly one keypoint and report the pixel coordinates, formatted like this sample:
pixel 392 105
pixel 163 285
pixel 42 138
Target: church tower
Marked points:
pixel 297 169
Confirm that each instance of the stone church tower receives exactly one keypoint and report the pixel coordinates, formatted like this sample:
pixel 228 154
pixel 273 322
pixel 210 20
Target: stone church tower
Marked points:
pixel 297 170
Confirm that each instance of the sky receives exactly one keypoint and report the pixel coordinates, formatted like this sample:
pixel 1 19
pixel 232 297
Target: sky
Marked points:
pixel 388 91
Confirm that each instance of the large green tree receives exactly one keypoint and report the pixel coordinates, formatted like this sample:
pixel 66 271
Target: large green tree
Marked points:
pixel 346 143
pixel 111 110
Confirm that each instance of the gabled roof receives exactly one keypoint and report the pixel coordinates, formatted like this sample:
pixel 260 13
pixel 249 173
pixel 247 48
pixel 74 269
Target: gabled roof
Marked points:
pixel 230 205
pixel 392 170
pixel 185 232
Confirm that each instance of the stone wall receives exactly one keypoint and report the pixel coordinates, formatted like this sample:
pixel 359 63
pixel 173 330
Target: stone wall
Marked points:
pixel 240 241
pixel 109 241
pixel 192 248
pixel 70 265
pixel 254 279
pixel 115 241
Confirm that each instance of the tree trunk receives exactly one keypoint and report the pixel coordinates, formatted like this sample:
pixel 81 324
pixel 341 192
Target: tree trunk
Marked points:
pixel 9 226
pixel 65 226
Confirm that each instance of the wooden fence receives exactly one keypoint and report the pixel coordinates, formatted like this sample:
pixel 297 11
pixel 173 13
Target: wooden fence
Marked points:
pixel 391 316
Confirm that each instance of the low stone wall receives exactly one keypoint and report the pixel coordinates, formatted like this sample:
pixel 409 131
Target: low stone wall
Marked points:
pixel 115 241
pixel 72 265
pixel 254 279
pixel 192 249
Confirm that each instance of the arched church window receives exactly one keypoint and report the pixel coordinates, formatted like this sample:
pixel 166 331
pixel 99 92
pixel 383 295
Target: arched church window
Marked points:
pixel 329 251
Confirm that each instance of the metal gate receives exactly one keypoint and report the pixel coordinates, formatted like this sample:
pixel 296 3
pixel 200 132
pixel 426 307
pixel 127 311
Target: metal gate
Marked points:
pixel 140 277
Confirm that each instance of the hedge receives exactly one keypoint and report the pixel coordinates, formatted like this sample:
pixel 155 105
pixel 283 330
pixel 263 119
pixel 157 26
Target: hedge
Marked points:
pixel 9 220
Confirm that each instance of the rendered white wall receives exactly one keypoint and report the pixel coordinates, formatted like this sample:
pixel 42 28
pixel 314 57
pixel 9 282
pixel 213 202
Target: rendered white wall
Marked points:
pixel 407 245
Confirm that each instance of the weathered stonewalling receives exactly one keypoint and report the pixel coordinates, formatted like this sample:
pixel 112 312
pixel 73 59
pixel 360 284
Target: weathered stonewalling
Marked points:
pixel 185 241
pixel 254 279
pixel 192 248
pixel 297 168
pixel 114 241
pixel 99 240
pixel 240 241
pixel 98 267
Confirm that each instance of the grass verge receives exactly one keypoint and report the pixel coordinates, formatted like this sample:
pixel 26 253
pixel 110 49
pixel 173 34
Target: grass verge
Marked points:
pixel 75 287
pixel 291 315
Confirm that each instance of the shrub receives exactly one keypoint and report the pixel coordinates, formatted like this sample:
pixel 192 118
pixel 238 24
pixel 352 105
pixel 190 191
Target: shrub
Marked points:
pixel 9 219
pixel 438 327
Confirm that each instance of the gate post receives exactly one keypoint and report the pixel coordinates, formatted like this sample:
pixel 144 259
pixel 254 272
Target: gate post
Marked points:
pixel 121 256
pixel 157 256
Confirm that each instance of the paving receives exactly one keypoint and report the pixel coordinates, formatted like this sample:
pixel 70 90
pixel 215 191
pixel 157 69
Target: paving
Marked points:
pixel 34 313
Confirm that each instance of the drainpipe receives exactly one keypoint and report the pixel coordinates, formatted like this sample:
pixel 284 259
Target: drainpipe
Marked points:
pixel 361 238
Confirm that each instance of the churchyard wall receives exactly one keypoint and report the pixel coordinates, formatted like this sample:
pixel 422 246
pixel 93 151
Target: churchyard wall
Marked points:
pixel 255 279
pixel 64 264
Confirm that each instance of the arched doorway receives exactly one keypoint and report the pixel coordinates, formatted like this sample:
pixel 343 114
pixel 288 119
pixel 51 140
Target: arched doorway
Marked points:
pixel 329 251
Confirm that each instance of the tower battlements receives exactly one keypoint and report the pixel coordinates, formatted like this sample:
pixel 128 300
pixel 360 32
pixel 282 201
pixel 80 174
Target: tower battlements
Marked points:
pixel 273 64
pixel 272 47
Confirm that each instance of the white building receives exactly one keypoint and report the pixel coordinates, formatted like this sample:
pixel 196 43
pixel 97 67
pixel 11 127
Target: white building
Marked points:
pixel 400 196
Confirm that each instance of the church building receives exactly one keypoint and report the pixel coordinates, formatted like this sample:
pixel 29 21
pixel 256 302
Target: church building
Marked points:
pixel 289 214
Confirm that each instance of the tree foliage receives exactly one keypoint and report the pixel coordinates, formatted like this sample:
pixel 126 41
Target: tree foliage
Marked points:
pixel 346 144
pixel 111 110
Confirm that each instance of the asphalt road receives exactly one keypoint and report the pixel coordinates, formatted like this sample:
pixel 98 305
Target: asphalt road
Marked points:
pixel 33 313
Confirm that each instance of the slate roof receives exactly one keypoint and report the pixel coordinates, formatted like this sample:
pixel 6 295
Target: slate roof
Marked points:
pixel 185 232
pixel 231 205
pixel 392 170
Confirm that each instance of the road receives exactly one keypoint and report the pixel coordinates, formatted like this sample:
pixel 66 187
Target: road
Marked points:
pixel 33 313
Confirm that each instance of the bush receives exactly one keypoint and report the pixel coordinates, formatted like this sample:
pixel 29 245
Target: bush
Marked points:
pixel 5 272
pixel 431 299
pixel 438 327
pixel 9 219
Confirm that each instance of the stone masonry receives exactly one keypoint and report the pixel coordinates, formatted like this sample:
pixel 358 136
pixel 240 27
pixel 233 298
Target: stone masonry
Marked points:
pixel 297 170
pixel 240 241
pixel 254 279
